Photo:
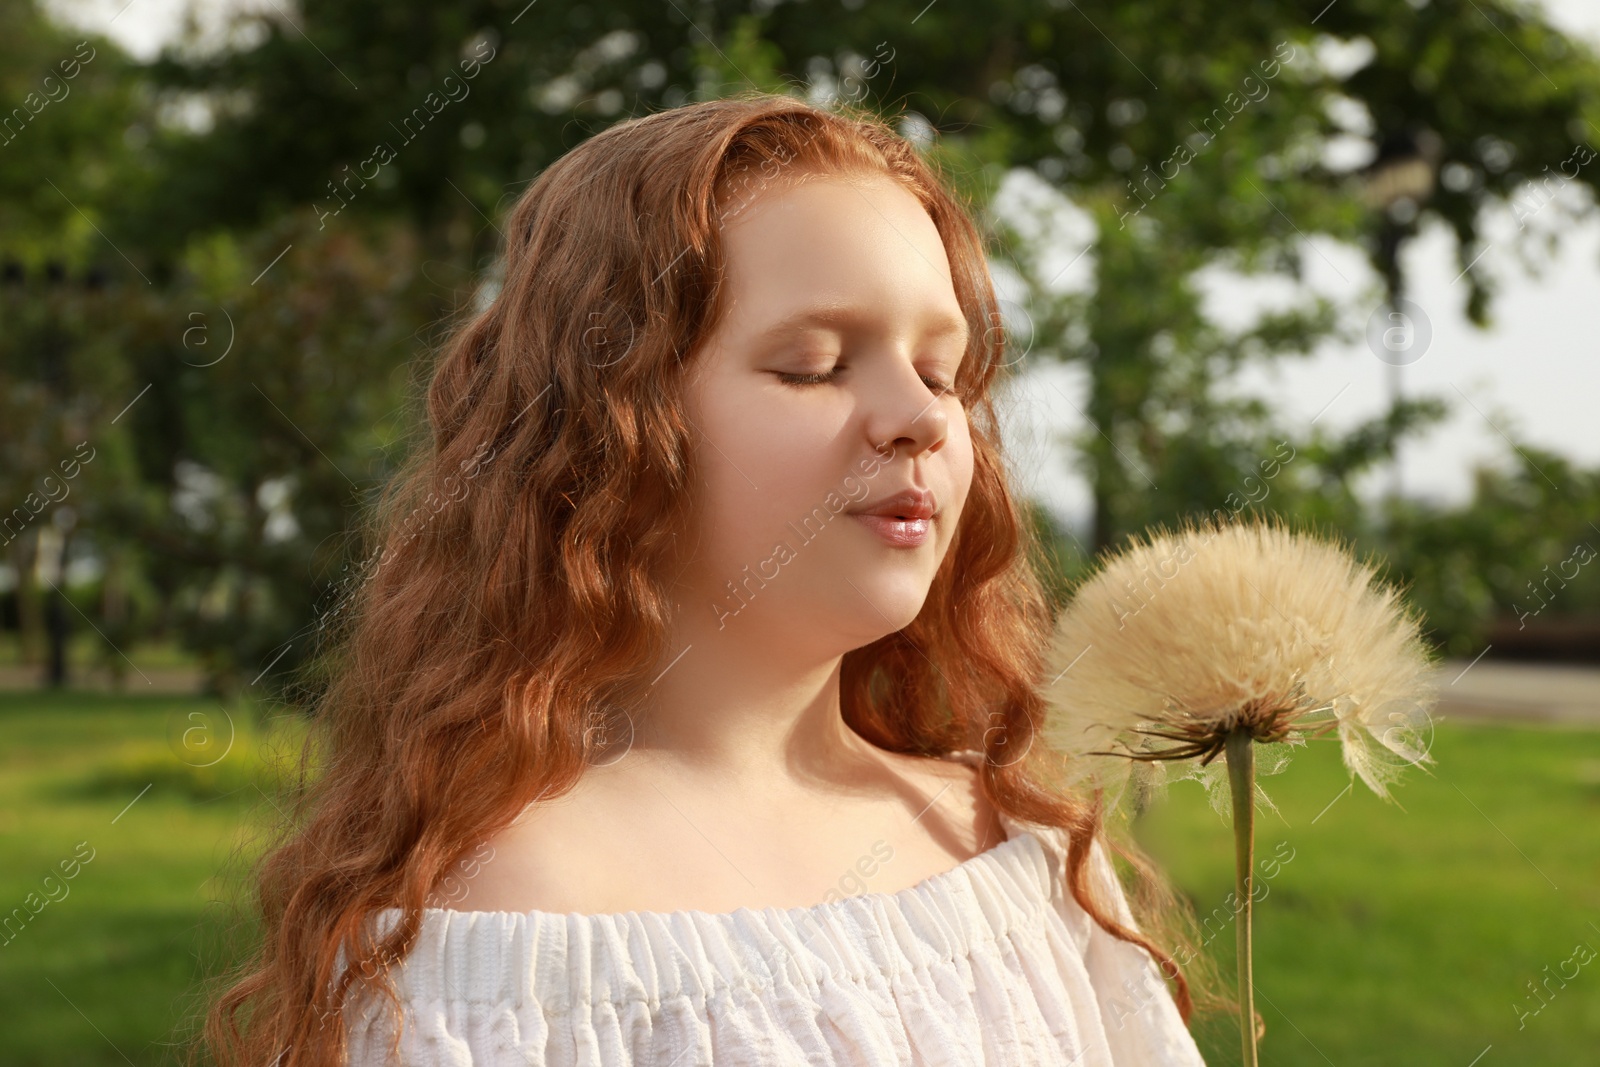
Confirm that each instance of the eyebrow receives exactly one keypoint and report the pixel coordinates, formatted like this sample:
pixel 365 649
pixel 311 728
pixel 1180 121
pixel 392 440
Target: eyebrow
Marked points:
pixel 843 315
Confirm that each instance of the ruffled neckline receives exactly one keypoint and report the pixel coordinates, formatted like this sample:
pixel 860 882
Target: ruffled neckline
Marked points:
pixel 564 959
pixel 1014 829
pixel 1015 836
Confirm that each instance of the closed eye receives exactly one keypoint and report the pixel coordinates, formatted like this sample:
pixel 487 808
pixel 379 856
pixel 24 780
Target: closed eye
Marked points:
pixel 939 387
pixel 808 379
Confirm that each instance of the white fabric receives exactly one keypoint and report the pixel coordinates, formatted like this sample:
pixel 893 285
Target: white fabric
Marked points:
pixel 990 962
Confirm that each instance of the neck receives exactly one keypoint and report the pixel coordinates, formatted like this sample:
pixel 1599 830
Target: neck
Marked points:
pixel 749 702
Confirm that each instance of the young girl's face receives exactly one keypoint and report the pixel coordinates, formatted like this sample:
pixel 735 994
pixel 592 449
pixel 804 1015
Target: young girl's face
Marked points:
pixel 824 391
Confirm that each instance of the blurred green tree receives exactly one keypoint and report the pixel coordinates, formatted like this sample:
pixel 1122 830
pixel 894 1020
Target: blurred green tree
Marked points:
pixel 68 111
pixel 1521 555
pixel 1194 138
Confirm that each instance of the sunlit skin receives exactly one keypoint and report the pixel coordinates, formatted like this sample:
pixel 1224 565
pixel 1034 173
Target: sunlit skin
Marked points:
pixel 742 786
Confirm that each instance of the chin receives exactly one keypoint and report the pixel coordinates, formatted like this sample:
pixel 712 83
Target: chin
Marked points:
pixel 893 601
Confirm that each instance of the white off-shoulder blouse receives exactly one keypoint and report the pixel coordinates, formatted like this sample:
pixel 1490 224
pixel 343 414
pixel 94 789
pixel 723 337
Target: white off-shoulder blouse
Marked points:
pixel 991 962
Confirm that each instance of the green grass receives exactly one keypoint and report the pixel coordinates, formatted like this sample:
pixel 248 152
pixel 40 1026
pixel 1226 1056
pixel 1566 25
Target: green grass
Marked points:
pixel 1409 936
pixel 1393 936
pixel 86 647
pixel 107 972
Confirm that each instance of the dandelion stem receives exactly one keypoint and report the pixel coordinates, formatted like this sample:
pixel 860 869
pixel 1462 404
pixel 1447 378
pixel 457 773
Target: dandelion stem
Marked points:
pixel 1242 778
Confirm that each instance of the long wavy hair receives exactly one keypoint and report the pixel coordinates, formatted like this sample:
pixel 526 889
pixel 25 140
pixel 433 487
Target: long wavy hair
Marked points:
pixel 514 602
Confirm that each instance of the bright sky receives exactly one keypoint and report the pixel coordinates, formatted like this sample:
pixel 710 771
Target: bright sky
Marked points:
pixel 1533 375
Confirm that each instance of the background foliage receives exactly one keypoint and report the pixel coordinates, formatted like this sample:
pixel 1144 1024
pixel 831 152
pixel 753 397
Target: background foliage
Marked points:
pixel 216 317
pixel 209 280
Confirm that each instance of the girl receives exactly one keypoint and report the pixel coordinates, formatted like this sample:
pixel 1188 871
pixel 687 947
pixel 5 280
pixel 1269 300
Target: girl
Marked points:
pixel 688 714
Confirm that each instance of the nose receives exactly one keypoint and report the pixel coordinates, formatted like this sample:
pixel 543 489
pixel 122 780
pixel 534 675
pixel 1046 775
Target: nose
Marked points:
pixel 906 414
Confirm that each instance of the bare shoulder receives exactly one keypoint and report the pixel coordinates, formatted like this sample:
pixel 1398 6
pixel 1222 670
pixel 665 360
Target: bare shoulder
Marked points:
pixel 559 855
pixel 625 842
pixel 933 769
pixel 957 807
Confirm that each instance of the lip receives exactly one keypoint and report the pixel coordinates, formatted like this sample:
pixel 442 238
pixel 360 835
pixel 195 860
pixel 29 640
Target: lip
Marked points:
pixel 913 503
pixel 902 520
pixel 896 533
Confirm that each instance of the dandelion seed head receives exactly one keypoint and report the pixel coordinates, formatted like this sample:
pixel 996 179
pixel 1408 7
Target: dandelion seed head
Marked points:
pixel 1185 636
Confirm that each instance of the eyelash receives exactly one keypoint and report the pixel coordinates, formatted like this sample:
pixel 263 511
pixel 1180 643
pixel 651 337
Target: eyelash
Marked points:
pixel 941 388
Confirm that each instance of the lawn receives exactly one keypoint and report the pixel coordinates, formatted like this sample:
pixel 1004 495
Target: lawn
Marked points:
pixel 1392 936
pixel 105 972
pixel 1410 932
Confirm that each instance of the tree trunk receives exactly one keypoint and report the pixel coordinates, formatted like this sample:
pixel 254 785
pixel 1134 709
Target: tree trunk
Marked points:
pixel 114 610
pixel 58 626
pixel 30 608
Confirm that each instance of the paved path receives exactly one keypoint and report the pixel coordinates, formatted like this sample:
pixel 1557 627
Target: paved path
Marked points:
pixel 1493 689
pixel 1486 689
pixel 147 680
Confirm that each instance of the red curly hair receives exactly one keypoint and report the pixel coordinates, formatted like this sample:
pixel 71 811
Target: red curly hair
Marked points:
pixel 484 653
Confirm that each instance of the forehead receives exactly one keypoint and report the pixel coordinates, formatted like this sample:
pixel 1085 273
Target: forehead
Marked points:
pixel 828 251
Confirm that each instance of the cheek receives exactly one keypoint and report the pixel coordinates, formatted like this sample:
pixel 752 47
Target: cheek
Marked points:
pixel 765 463
pixel 958 453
